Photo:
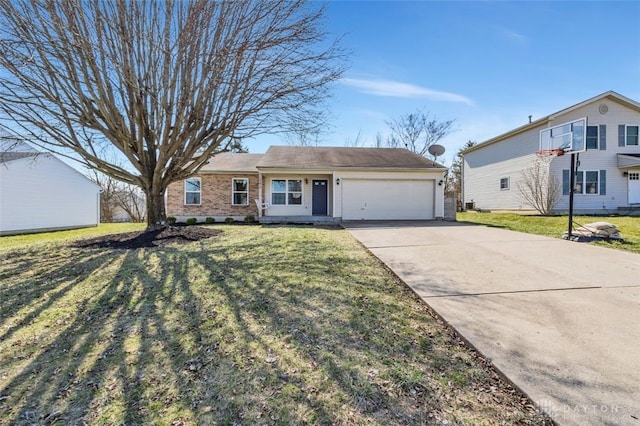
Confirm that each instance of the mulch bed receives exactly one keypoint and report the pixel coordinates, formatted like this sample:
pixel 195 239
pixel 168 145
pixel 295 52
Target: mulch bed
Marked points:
pixel 156 238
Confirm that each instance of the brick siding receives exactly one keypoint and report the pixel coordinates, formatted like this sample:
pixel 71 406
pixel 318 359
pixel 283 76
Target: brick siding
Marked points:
pixel 215 198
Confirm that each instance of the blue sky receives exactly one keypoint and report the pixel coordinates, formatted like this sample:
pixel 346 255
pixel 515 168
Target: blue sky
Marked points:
pixel 488 65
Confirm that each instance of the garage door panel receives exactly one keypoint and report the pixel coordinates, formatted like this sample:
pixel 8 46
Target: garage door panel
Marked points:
pixel 375 199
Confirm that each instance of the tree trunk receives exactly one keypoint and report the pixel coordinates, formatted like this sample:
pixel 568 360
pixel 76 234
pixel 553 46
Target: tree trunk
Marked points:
pixel 156 217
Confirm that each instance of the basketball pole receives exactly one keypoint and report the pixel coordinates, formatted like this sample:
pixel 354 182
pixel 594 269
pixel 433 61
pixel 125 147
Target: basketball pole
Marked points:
pixel 572 184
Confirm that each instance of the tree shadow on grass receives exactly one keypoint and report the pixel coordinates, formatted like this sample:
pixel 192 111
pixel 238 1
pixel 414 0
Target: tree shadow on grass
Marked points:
pixel 251 332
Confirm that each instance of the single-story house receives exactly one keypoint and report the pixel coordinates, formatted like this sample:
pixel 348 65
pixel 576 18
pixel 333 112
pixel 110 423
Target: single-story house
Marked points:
pixel 607 177
pixel 39 192
pixel 312 184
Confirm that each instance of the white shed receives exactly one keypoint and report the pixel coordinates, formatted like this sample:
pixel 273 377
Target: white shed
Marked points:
pixel 39 192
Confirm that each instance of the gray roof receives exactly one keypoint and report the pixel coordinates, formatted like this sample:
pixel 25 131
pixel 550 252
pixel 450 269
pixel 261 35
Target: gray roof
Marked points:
pixel 233 162
pixel 307 157
pixel 5 157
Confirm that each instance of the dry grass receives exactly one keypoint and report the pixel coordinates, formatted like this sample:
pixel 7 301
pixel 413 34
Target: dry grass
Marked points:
pixel 274 325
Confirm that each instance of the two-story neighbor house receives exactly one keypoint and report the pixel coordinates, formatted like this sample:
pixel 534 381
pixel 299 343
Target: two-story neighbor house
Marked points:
pixel 608 175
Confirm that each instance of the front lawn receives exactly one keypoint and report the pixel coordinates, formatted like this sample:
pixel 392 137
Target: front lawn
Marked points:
pixel 555 226
pixel 15 241
pixel 258 325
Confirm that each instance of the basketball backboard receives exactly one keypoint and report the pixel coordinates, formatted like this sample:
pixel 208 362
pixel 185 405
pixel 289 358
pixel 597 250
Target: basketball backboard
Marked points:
pixel 566 137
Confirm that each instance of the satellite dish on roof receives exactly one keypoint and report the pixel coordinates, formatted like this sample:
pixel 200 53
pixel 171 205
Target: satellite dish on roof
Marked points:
pixel 436 150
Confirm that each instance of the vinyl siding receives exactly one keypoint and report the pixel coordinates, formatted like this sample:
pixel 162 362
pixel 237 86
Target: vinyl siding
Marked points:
pixel 44 193
pixel 484 167
pixel 304 209
pixel 616 184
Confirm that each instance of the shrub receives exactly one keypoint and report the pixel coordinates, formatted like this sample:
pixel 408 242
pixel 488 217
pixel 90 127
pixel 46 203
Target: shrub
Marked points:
pixel 209 220
pixel 192 221
pixel 250 218
pixel 228 220
pixel 171 220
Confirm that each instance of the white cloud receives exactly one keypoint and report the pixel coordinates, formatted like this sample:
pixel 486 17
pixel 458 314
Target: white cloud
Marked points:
pixel 513 36
pixel 403 90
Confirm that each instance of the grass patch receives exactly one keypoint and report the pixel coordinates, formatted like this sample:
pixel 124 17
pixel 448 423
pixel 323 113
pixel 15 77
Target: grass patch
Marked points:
pixel 259 325
pixel 14 241
pixel 555 226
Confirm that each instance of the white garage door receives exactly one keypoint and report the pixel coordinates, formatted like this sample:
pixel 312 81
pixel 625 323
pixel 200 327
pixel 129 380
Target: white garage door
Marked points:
pixel 373 199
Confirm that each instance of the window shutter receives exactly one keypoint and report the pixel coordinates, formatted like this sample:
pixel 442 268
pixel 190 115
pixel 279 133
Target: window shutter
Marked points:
pixel 566 182
pixel 602 135
pixel 603 182
pixel 621 135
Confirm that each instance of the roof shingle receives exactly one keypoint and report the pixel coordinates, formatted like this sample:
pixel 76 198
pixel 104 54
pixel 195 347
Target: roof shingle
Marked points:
pixel 305 157
pixel 233 162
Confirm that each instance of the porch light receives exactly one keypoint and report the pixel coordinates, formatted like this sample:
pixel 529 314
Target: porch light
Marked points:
pixel 440 183
pixel 338 181
pixel 306 181
pixel 625 174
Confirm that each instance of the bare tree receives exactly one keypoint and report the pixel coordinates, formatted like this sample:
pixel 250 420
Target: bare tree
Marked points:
pixel 165 84
pixel 130 199
pixel 303 137
pixel 355 142
pixel 379 141
pixel 117 198
pixel 538 187
pixel 417 131
pixel 108 203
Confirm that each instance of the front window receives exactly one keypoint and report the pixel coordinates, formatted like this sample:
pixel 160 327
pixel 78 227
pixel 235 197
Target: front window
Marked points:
pixel 192 191
pixel 592 137
pixel 294 188
pixel 632 135
pixel 286 192
pixel 240 192
pixel 504 183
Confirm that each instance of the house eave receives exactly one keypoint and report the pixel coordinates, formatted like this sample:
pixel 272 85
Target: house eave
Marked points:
pixel 228 172
pixel 325 170
pixel 628 161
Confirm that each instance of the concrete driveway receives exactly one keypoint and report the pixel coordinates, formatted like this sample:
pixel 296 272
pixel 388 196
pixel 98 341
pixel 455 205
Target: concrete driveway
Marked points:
pixel 560 319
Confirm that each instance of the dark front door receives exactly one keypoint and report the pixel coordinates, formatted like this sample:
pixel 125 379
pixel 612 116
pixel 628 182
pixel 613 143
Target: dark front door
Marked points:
pixel 319 198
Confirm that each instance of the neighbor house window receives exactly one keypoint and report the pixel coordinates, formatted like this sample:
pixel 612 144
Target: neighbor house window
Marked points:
pixel 240 192
pixel 592 137
pixel 504 183
pixel 286 192
pixel 590 182
pixel 632 135
pixel 192 191
pixel 587 182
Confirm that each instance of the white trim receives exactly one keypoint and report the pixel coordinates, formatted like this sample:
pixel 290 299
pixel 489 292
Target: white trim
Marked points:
pixel 286 191
pixel 626 135
pixel 199 192
pixel 586 136
pixel 233 191
pixel 583 183
pixel 508 187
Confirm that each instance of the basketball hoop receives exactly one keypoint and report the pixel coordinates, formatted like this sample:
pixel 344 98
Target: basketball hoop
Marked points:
pixel 550 152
